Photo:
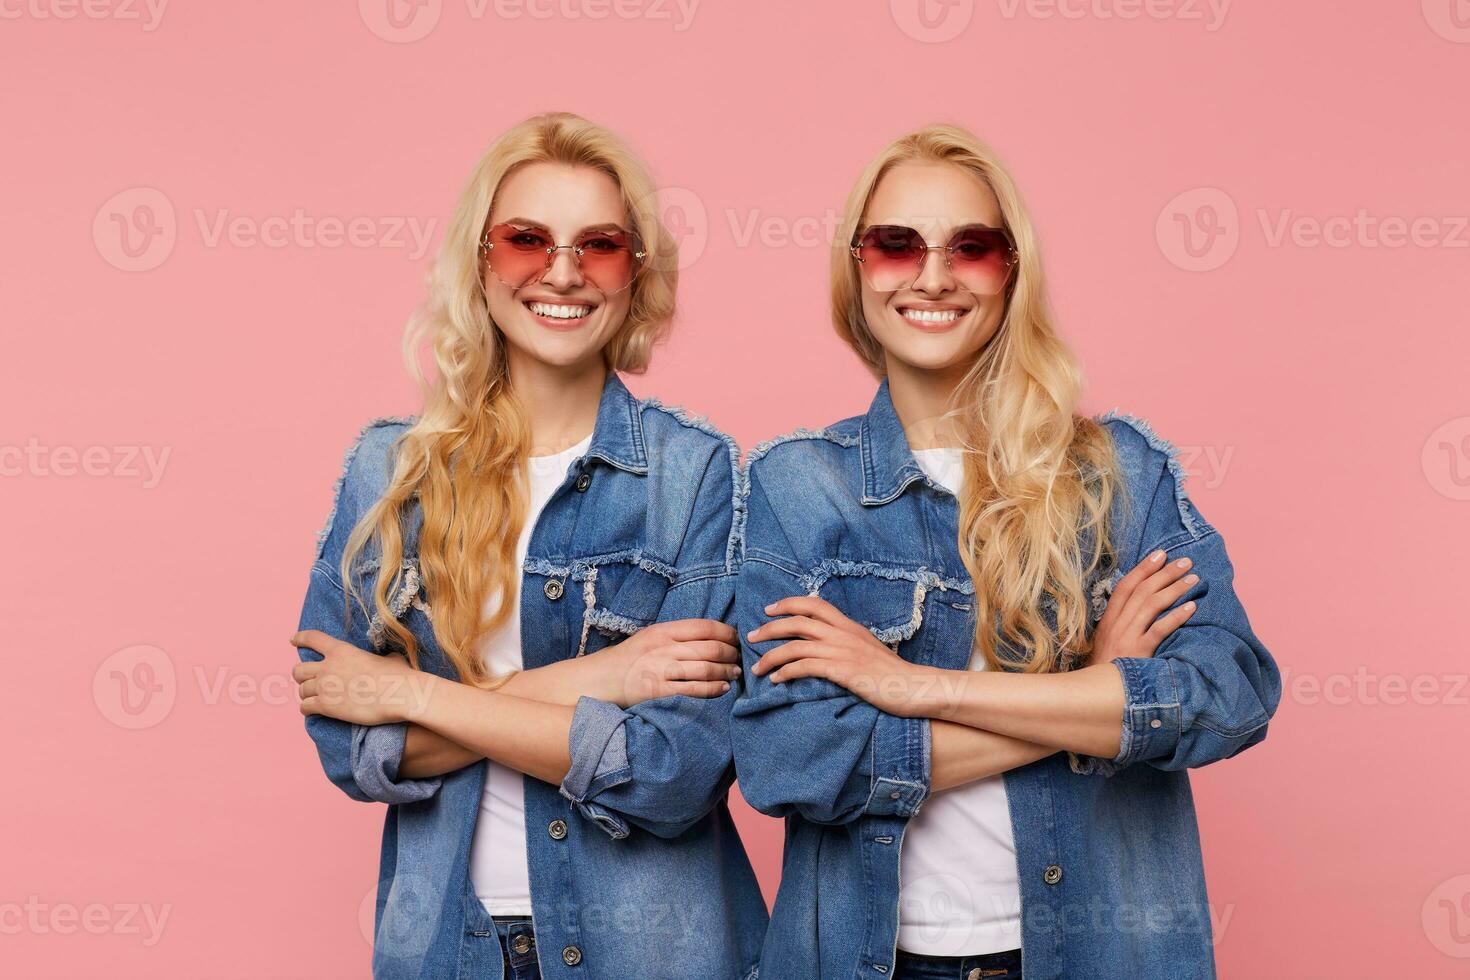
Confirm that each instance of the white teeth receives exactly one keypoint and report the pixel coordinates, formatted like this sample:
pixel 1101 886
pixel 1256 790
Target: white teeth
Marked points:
pixel 559 312
pixel 931 316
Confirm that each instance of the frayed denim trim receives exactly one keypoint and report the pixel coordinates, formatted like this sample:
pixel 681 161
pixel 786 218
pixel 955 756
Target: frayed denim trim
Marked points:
pixel 1099 595
pixel 1195 525
pixel 347 458
pixel 594 615
pixel 839 568
pixel 799 435
pixel 735 544
pixel 923 579
pixel 582 568
pixel 408 596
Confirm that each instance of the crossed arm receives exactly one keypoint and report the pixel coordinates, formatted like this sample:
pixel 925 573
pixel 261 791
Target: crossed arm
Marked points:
pixel 984 723
pixel 526 722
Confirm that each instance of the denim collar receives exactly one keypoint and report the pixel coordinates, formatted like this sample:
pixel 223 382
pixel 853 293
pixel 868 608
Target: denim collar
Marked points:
pixel 888 463
pixel 617 436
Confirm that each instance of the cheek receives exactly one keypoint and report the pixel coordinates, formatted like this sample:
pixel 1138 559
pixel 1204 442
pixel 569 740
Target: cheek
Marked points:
pixel 502 303
pixel 877 314
pixel 615 310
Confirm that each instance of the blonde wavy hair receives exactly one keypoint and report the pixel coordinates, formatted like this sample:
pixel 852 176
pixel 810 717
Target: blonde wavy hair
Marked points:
pixel 463 462
pixel 1039 478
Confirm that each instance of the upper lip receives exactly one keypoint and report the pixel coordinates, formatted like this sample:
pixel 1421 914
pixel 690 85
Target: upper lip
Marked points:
pixel 932 307
pixel 559 301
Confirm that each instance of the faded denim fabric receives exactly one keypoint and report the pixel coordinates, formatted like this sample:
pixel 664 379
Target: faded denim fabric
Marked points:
pixel 636 867
pixel 1112 881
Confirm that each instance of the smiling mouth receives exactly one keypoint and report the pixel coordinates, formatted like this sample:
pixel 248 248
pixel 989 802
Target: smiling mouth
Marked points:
pixel 931 319
pixel 559 315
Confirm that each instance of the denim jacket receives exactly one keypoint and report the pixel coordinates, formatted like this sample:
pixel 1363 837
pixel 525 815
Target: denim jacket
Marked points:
pixel 635 865
pixel 1108 852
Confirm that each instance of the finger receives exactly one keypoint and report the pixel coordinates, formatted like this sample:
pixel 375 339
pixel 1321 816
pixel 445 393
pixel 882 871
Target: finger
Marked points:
pixel 310 706
pixel 807 667
pixel 1167 596
pixel 1151 563
pixel 814 607
pixel 306 670
pixel 702 670
pixel 789 627
pixel 1160 579
pixel 715 651
pixel 316 640
pixel 699 629
pixel 308 689
pixel 786 653
pixel 701 689
pixel 1169 622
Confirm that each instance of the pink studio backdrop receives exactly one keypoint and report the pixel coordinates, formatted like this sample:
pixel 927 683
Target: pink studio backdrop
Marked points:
pixel 218 216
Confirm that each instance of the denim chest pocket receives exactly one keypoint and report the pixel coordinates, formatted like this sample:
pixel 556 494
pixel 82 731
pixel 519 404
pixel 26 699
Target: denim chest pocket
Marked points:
pixel 619 598
pixel 891 601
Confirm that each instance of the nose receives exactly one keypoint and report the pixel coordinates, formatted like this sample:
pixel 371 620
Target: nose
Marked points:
pixel 564 273
pixel 934 277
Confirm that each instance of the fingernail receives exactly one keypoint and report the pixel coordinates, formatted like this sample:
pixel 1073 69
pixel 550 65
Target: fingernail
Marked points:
pixel 1184 563
pixel 737 670
pixel 769 607
pixel 1189 605
pixel 750 636
pixel 1191 579
pixel 1156 557
pixel 724 686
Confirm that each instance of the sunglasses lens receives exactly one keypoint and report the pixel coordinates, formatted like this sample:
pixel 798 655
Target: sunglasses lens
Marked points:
pixel 981 259
pixel 892 256
pixel 608 259
pixel 518 255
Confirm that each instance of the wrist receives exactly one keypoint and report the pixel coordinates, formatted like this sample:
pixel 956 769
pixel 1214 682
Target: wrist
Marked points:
pixel 923 692
pixel 423 689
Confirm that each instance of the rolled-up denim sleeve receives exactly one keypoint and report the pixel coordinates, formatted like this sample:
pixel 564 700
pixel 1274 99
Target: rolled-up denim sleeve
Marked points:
pixel 361 760
pixel 599 750
pixel 1211 688
pixel 663 764
pixel 809 746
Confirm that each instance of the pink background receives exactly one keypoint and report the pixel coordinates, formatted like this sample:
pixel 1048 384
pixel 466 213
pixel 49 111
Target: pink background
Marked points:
pixel 1316 382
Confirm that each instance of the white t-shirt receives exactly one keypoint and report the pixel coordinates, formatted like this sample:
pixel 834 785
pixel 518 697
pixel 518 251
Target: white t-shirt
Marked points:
pixel 959 887
pixel 498 851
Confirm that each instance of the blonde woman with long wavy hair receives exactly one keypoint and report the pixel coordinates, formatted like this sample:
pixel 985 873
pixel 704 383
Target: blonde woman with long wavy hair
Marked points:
pixel 980 628
pixel 515 631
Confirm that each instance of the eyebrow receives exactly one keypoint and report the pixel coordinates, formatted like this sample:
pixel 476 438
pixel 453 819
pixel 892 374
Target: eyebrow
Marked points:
pixel 531 223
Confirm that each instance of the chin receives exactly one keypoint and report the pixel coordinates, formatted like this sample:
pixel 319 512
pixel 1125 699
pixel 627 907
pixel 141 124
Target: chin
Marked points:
pixel 557 348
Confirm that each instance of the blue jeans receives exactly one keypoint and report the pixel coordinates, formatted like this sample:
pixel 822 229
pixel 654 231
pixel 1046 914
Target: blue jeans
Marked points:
pixel 991 966
pixel 518 947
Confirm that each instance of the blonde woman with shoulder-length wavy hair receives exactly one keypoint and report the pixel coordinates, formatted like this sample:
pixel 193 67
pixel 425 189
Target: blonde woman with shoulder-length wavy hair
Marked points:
pixel 516 632
pixel 941 643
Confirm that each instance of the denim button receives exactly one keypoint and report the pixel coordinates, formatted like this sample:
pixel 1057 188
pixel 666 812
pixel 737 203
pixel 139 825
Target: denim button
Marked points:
pixel 557 829
pixel 521 944
pixel 553 589
pixel 1052 874
pixel 1155 723
pixel 973 974
pixel 583 482
pixel 571 956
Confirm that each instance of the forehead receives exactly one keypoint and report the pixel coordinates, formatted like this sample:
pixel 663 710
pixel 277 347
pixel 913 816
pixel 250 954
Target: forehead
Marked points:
pixel 563 197
pixel 932 196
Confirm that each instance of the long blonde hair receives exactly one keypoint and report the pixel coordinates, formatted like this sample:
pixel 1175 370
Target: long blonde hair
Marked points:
pixel 1039 479
pixel 463 462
